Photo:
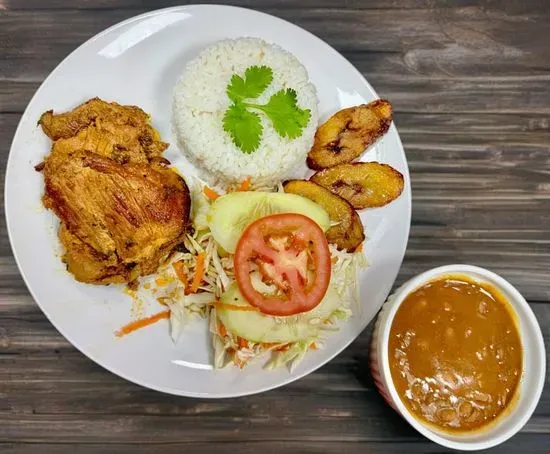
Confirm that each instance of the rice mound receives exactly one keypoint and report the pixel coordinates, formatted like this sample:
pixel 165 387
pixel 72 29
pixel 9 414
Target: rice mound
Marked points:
pixel 200 101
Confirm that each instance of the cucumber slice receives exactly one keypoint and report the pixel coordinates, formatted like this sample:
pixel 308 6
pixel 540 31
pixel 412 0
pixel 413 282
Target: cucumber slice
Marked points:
pixel 230 214
pixel 257 327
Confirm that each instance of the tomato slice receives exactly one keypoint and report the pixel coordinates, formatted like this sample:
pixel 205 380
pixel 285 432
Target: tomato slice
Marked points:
pixel 291 253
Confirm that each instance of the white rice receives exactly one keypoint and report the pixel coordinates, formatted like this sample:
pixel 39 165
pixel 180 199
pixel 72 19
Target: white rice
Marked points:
pixel 200 101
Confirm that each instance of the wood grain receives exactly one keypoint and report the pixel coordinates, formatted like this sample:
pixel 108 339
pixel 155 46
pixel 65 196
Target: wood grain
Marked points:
pixel 522 442
pixel 422 41
pixel 506 5
pixel 469 82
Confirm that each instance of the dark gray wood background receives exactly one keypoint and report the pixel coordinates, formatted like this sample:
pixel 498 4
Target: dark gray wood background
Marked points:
pixel 470 82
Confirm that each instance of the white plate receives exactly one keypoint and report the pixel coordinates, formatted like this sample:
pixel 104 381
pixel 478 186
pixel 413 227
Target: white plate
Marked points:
pixel 138 62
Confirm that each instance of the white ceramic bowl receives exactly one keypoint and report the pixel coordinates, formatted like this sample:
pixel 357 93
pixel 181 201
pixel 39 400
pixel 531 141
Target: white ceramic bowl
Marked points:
pixel 534 362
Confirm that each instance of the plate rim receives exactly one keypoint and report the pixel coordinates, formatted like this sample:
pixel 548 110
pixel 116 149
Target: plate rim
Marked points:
pixel 166 390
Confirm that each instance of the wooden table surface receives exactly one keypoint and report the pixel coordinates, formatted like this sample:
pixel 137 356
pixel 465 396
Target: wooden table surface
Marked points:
pixel 470 82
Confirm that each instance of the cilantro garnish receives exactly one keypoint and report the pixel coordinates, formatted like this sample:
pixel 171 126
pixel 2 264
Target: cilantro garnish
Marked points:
pixel 256 80
pixel 244 126
pixel 287 118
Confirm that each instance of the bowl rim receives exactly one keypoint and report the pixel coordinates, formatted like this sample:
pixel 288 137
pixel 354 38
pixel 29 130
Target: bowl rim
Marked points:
pixel 516 300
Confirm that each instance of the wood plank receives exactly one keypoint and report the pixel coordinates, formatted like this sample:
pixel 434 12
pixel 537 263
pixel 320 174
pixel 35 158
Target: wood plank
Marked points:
pixel 464 95
pixel 15 95
pixel 485 126
pixel 15 5
pixel 519 443
pixel 228 427
pixel 507 5
pixel 445 42
pixel 331 417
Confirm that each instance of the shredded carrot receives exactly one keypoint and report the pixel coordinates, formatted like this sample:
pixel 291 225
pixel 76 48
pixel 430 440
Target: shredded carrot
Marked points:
pixel 313 346
pixel 282 348
pixel 182 276
pixel 359 248
pixel 141 323
pixel 199 273
pixel 242 343
pixel 221 330
pixel 245 184
pixel 234 307
pixel 210 193
pixel 268 344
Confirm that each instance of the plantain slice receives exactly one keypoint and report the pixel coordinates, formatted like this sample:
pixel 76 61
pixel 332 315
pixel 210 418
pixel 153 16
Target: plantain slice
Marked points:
pixel 352 237
pixel 348 232
pixel 362 184
pixel 345 135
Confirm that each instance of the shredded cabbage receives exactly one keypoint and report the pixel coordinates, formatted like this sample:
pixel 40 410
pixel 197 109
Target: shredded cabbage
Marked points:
pixel 184 308
pixel 345 268
pixel 200 205
pixel 217 277
pixel 219 270
pixel 291 357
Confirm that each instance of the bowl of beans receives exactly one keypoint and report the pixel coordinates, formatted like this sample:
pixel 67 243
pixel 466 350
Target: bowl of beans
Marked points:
pixel 458 352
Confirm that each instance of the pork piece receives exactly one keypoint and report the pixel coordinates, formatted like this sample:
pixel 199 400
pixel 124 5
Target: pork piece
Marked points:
pixel 120 218
pixel 119 132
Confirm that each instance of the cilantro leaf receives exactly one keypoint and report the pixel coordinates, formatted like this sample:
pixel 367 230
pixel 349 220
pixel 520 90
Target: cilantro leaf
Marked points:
pixel 287 118
pixel 256 80
pixel 244 127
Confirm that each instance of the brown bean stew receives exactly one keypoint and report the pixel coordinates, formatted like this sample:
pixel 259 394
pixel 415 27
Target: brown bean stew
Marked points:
pixel 455 353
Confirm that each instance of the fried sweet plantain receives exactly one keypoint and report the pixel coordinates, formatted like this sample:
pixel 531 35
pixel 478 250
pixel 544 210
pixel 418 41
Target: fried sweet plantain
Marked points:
pixel 353 236
pixel 345 135
pixel 362 184
pixel 348 232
